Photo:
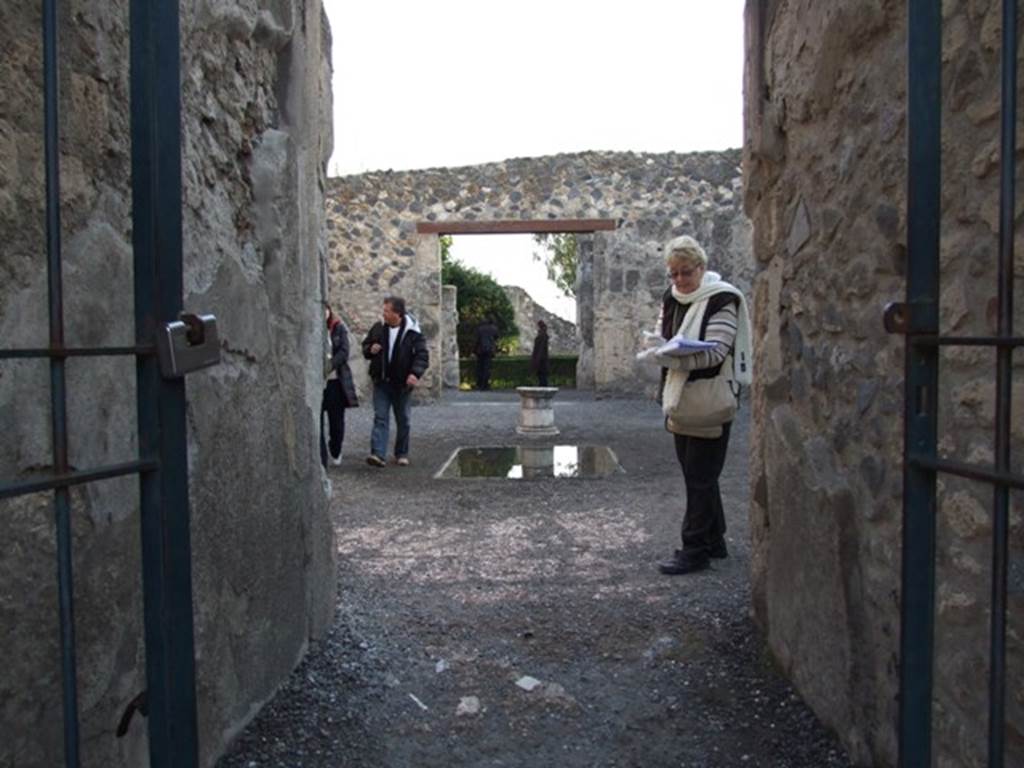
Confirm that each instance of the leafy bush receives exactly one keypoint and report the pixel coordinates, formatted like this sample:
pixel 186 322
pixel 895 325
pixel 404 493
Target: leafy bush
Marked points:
pixel 479 297
pixel 514 371
pixel 561 259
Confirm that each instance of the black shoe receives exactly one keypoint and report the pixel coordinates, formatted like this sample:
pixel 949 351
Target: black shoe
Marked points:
pixel 718 550
pixel 684 562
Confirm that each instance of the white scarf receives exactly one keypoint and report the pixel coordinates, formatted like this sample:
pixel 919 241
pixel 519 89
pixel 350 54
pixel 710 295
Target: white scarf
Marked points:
pixel 712 283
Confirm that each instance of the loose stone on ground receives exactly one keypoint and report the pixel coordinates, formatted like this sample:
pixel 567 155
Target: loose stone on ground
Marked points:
pixel 552 580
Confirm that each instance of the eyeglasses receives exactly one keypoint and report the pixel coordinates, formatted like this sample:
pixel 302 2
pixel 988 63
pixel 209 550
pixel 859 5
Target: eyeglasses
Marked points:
pixel 685 272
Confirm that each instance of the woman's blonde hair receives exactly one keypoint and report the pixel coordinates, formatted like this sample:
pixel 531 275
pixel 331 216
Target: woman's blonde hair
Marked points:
pixel 685 248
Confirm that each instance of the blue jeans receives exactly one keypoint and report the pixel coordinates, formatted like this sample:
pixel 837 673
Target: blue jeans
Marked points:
pixel 384 401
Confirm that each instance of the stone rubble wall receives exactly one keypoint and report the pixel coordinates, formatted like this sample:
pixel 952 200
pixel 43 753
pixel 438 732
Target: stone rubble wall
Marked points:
pixel 375 249
pixel 825 186
pixel 562 338
pixel 449 324
pixel 256 125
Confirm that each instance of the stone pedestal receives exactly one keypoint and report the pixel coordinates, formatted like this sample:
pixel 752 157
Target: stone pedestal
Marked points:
pixel 537 461
pixel 536 414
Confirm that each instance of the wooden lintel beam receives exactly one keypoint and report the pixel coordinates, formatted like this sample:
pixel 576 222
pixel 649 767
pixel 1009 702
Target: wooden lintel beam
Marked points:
pixel 514 226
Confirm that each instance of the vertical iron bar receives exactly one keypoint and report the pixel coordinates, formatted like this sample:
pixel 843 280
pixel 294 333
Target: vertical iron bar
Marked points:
pixel 917 605
pixel 1001 499
pixel 157 242
pixel 58 389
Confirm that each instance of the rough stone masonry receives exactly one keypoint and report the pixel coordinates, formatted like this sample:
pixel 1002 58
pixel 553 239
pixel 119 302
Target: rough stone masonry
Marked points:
pixel 256 125
pixel 562 336
pixel 825 180
pixel 374 247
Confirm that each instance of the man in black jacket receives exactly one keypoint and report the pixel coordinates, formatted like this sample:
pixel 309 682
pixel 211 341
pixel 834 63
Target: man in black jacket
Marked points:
pixel 398 359
pixel 484 347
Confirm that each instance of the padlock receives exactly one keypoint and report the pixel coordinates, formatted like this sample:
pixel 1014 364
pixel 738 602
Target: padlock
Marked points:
pixel 187 345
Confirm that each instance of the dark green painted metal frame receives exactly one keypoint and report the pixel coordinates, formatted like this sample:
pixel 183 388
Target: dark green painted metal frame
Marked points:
pixel 156 232
pixel 918 318
pixel 162 463
pixel 921 384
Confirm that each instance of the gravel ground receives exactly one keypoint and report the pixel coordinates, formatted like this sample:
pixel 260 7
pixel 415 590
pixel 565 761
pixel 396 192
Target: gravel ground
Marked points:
pixel 452 591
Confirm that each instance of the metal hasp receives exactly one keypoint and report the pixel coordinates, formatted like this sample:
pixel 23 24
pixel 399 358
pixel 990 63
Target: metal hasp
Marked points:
pixel 910 318
pixel 187 345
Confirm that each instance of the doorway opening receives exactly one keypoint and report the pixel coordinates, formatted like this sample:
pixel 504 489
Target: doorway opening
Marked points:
pixel 503 278
pixel 522 287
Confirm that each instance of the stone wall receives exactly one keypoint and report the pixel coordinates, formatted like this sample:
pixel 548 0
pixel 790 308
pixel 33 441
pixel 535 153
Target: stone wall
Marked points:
pixel 375 248
pixel 449 325
pixel 256 120
pixel 825 181
pixel 562 338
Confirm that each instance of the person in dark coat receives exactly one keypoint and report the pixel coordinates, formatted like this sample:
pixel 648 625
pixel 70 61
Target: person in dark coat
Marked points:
pixel 484 348
pixel 398 357
pixel 339 389
pixel 539 356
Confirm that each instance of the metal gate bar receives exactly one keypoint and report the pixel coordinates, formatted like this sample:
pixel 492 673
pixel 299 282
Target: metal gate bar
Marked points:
pixel 58 391
pixel 968 341
pixel 1000 505
pixel 918 319
pixel 157 243
pixel 966 470
pixel 65 352
pixel 79 477
pixel 921 384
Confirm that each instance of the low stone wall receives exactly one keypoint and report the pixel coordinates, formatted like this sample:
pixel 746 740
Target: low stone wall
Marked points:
pixel 374 247
pixel 562 338
pixel 825 163
pixel 256 123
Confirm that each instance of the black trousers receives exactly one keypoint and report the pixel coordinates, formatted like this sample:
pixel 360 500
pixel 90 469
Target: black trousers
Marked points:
pixel 702 460
pixel 542 377
pixel 483 371
pixel 333 404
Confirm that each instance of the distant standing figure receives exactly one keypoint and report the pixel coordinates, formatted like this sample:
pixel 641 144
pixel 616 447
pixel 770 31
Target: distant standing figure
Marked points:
pixel 398 359
pixel 539 356
pixel 484 348
pixel 339 389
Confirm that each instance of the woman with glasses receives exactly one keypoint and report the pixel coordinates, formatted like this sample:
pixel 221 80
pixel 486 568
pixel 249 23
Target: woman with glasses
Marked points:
pixel 706 356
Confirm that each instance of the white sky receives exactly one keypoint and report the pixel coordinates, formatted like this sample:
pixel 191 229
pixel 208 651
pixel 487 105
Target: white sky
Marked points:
pixel 509 259
pixel 446 83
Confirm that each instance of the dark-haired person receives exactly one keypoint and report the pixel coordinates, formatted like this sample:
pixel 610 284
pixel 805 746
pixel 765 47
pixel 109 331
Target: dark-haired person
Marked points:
pixel 398 359
pixel 339 388
pixel 484 347
pixel 539 357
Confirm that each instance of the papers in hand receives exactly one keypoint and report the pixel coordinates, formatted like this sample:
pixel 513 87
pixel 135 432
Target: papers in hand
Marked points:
pixel 656 347
pixel 679 347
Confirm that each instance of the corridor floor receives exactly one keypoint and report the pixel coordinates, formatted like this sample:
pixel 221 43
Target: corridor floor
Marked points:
pixel 457 596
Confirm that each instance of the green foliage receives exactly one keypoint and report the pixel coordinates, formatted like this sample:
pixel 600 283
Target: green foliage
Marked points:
pixel 561 259
pixel 487 462
pixel 479 297
pixel 446 250
pixel 514 371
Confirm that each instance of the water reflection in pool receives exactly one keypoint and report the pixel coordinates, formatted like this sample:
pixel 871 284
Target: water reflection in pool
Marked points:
pixel 525 462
